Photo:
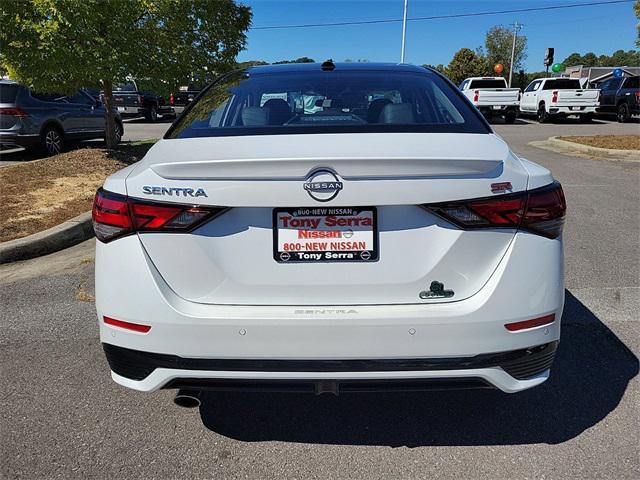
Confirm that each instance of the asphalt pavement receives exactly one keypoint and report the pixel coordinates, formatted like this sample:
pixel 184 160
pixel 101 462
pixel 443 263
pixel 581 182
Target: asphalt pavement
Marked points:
pixel 63 417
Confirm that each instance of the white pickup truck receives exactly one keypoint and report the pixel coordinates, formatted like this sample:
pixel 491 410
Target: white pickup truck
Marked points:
pixel 492 96
pixel 558 97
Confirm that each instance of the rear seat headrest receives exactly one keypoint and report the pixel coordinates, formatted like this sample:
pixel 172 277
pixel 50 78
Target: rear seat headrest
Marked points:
pixel 399 113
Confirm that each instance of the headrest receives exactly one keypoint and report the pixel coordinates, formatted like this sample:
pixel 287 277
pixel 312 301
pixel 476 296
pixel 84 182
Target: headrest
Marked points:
pixel 254 116
pixel 399 113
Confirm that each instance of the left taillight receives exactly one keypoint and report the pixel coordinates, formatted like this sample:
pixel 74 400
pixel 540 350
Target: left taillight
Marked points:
pixel 116 215
pixel 539 211
pixel 13 112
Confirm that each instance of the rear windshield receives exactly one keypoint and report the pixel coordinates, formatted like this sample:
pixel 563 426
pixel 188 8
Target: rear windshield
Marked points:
pixel 327 102
pixel 8 93
pixel 125 87
pixel 562 84
pixel 488 83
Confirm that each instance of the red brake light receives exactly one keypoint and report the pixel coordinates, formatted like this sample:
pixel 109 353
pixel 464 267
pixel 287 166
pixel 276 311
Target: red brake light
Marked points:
pixel 540 211
pixel 554 96
pixel 13 112
pixel 171 99
pixel 476 96
pixel 116 215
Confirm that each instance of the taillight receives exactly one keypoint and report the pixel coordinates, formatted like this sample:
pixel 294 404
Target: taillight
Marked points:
pixel 140 100
pixel 637 95
pixel 116 215
pixel 476 96
pixel 540 211
pixel 554 96
pixel 13 112
pixel 171 99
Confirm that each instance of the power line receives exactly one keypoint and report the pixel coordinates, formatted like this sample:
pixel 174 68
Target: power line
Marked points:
pixel 439 17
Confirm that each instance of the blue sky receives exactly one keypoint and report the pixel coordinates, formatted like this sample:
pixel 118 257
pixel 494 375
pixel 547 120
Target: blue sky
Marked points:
pixel 601 29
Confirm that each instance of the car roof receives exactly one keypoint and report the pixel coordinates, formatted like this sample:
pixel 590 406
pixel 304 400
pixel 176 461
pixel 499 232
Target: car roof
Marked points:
pixel 340 66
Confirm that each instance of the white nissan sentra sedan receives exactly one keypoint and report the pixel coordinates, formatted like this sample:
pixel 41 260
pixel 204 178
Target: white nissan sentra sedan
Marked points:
pixel 330 228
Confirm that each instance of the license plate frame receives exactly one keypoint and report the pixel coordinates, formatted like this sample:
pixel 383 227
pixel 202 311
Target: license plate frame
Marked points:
pixel 366 235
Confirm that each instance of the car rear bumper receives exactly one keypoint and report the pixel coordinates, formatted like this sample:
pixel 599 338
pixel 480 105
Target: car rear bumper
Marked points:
pixel 578 110
pixel 12 139
pixel 187 334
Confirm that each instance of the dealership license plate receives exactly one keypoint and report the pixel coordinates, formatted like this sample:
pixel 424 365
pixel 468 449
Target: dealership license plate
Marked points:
pixel 338 234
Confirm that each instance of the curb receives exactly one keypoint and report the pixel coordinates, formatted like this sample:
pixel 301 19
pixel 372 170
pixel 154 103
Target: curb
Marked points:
pixel 564 146
pixel 67 234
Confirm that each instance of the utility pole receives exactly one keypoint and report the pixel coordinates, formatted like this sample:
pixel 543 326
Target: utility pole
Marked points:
pixel 516 27
pixel 404 31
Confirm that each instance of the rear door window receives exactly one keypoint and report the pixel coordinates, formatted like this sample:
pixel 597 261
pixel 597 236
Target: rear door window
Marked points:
pixel 8 93
pixel 488 83
pixel 562 84
pixel 632 82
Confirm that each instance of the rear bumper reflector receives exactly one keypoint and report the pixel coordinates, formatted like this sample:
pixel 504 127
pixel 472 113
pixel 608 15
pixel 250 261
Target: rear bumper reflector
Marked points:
pixel 136 327
pixel 535 322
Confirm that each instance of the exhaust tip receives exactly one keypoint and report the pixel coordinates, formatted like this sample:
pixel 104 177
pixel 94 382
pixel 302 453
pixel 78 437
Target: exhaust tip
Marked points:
pixel 187 398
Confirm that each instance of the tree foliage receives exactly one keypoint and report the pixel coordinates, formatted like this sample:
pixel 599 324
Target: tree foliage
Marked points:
pixel 465 63
pixel 63 45
pixel 498 44
pixel 618 58
pixel 297 60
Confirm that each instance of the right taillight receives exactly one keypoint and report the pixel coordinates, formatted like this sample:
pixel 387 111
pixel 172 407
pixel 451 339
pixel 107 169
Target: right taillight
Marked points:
pixel 540 211
pixel 476 96
pixel 116 215
pixel 554 97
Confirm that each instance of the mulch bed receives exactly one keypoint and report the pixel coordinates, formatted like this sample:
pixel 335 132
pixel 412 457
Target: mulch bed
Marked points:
pixel 616 142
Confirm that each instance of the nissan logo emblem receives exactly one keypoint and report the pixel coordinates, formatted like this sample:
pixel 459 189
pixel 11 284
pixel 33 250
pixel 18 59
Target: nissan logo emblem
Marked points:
pixel 323 185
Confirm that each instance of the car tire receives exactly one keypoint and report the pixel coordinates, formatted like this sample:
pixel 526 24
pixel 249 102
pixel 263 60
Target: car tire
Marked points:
pixel 622 113
pixel 152 116
pixel 542 115
pixel 510 117
pixel 52 141
pixel 586 118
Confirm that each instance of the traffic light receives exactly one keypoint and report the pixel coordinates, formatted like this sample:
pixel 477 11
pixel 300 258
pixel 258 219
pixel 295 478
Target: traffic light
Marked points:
pixel 548 57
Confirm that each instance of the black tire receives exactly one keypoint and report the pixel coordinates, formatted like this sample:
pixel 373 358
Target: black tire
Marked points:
pixel 542 115
pixel 622 113
pixel 52 141
pixel 586 118
pixel 510 117
pixel 152 116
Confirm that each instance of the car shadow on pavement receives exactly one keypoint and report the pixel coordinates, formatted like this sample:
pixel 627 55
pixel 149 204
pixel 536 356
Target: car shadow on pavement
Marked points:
pixel 589 377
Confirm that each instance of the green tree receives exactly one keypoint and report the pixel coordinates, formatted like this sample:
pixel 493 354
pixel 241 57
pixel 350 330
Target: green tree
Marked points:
pixel 465 63
pixel 63 45
pixel 297 60
pixel 498 43
pixel 636 9
pixel 589 59
pixel 574 59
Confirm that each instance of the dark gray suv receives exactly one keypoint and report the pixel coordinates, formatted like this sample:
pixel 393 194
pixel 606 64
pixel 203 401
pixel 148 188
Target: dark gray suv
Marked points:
pixel 49 121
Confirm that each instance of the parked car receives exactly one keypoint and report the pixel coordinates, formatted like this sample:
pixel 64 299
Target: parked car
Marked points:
pixel 183 97
pixel 549 98
pixel 133 102
pixel 620 96
pixel 492 96
pixel 49 121
pixel 357 245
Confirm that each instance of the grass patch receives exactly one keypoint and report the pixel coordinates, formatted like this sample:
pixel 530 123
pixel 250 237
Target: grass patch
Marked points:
pixel 615 142
pixel 44 193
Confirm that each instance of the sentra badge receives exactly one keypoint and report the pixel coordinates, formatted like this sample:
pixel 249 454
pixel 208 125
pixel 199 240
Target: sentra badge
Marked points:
pixel 174 191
